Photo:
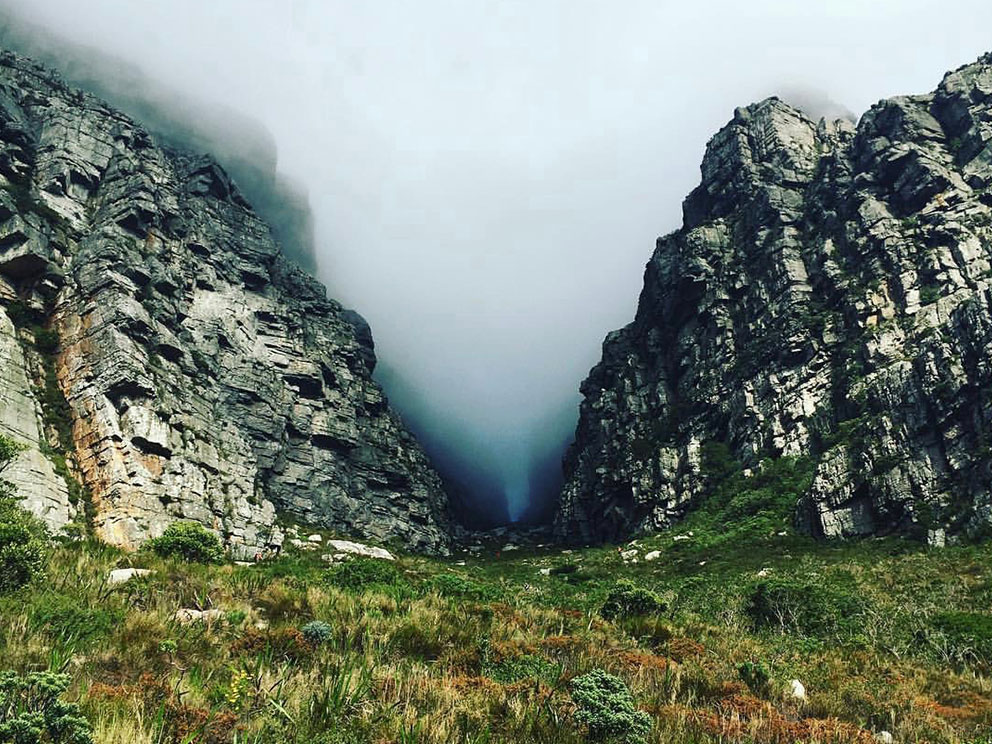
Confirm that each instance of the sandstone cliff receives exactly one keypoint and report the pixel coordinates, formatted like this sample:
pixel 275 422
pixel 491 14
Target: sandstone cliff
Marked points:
pixel 828 296
pixel 180 367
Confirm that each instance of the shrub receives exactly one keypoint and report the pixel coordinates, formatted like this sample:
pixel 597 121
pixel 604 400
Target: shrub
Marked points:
pixel 453 585
pixel 629 600
pixel 605 707
pixel 814 606
pixel 189 541
pixel 32 712
pixel 316 632
pixel 755 675
pixel 360 574
pixel 22 536
pixel 73 618
pixel 967 632
pixel 516 668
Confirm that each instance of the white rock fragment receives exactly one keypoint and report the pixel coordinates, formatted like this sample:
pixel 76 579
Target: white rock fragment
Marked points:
pixel 120 575
pixel 884 737
pixel 354 548
pixel 510 546
pixel 652 556
pixel 796 690
pixel 629 555
pixel 315 538
pixel 764 572
pixel 188 616
pixel 545 572
pixel 680 538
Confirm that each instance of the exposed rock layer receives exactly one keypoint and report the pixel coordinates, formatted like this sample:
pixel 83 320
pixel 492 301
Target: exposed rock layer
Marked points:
pixel 205 377
pixel 827 296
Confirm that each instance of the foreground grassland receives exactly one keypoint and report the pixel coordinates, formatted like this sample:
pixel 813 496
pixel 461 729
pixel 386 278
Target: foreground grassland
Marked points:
pixel 884 635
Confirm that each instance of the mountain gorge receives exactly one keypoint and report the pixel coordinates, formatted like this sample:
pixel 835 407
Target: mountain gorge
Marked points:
pixel 827 299
pixel 161 357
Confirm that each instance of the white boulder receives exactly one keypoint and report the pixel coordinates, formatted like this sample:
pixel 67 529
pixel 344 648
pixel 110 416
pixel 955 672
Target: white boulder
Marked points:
pixel 121 575
pixel 353 548
pixel 796 690
pixel 652 556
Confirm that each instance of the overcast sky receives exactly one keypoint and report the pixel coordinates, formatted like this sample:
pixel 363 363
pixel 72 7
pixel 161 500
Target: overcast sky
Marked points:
pixel 488 177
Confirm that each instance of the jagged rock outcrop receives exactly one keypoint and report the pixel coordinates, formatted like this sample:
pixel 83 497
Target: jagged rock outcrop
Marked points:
pixel 828 296
pixel 185 368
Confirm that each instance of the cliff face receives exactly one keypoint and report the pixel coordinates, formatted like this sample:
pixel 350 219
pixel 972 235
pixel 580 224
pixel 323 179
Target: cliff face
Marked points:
pixel 828 296
pixel 183 366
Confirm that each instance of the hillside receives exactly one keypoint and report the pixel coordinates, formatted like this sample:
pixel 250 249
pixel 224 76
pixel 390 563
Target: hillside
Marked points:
pixel 884 635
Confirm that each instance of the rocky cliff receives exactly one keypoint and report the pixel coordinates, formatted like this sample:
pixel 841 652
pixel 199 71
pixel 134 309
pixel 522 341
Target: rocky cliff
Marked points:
pixel 163 359
pixel 827 297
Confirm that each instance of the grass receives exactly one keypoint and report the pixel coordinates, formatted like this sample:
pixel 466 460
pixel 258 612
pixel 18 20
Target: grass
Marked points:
pixel 433 651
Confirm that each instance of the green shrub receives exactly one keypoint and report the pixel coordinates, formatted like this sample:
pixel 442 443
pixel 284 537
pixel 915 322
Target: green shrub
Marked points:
pixel 629 600
pixel 968 632
pixel 316 632
pixel 756 675
pixel 72 619
pixel 360 574
pixel 22 537
pixel 453 585
pixel 31 711
pixel 516 668
pixel 605 707
pixel 814 606
pixel 189 541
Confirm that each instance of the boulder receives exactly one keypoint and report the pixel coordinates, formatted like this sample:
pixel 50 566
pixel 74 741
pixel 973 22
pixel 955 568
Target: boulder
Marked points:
pixel 354 548
pixel 122 575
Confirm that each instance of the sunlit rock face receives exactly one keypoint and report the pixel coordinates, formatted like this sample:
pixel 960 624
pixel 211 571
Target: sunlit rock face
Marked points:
pixel 205 376
pixel 827 296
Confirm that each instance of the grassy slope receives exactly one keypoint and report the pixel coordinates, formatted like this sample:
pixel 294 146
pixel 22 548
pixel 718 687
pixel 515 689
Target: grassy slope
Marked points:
pixel 487 657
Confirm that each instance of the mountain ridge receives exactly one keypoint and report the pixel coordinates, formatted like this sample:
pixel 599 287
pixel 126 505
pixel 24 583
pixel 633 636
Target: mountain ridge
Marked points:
pixel 826 297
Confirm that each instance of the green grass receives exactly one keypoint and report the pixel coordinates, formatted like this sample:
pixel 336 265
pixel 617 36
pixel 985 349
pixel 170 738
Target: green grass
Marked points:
pixel 884 634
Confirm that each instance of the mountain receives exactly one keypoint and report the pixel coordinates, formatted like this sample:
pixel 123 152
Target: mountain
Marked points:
pixel 826 300
pixel 161 357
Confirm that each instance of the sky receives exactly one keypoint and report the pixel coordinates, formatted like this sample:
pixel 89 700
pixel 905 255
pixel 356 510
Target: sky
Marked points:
pixel 488 178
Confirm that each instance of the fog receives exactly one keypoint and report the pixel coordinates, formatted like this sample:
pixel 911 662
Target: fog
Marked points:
pixel 487 177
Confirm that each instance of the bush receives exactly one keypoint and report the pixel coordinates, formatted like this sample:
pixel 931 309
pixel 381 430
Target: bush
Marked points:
pixel 73 619
pixel 453 585
pixel 755 675
pixel 360 574
pixel 629 600
pixel 968 632
pixel 606 708
pixel 516 668
pixel 31 711
pixel 189 541
pixel 22 536
pixel 316 632
pixel 814 606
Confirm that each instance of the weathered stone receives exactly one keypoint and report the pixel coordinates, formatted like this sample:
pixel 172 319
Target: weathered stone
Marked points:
pixel 206 377
pixel 828 296
pixel 346 547
pixel 122 575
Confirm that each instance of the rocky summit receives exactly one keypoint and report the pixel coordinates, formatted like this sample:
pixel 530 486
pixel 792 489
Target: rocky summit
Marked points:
pixel 827 298
pixel 162 360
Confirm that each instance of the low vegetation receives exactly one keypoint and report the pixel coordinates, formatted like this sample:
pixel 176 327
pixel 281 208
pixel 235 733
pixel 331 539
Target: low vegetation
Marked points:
pixel 700 644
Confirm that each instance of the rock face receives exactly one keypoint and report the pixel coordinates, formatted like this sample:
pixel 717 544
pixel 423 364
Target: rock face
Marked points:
pixel 186 369
pixel 828 296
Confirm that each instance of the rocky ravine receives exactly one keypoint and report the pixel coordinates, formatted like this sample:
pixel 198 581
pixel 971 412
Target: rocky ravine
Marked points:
pixel 827 296
pixel 183 367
